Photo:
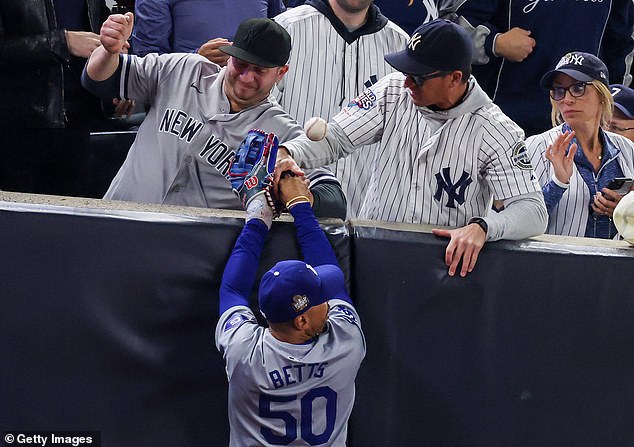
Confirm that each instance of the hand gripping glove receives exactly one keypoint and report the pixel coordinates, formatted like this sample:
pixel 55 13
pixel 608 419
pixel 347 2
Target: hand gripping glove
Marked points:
pixel 251 170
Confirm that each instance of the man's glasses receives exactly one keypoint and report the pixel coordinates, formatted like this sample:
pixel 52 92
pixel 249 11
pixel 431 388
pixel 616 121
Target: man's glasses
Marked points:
pixel 420 79
pixel 576 90
pixel 615 128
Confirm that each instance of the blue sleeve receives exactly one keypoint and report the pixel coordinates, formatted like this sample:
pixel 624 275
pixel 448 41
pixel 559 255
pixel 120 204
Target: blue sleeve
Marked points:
pixel 240 271
pixel 275 7
pixel 314 243
pixel 108 88
pixel 152 27
pixel 552 194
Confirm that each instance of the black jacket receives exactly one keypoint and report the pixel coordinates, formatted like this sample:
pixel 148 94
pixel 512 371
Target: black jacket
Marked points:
pixel 33 53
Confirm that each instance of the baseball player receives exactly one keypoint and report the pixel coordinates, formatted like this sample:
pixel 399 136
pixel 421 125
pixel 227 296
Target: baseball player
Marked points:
pixel 338 49
pixel 445 150
pixel 199 114
pixel 293 382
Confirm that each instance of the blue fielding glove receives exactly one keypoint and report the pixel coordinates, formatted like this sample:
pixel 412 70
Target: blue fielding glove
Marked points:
pixel 251 170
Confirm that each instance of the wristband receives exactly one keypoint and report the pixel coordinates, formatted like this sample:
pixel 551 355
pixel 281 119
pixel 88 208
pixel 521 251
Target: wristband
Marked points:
pixel 295 201
pixel 481 222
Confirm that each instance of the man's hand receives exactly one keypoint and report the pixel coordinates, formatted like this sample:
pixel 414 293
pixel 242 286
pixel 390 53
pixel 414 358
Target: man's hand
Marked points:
pixel 465 244
pixel 283 164
pixel 123 107
pixel 211 51
pixel 291 186
pixel 82 43
pixel 514 45
pixel 605 201
pixel 116 31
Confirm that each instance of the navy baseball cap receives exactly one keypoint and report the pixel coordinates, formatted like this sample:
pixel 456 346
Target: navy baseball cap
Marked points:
pixel 261 42
pixel 581 66
pixel 292 287
pixel 439 45
pixel 623 99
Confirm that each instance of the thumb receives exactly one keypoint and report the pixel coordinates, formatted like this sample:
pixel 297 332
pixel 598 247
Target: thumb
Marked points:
pixel 130 17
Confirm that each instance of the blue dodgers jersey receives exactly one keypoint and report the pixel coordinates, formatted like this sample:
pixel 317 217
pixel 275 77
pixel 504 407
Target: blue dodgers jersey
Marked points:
pixel 286 394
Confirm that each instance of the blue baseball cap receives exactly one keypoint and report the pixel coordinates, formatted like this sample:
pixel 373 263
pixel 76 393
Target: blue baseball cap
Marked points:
pixel 439 45
pixel 623 99
pixel 578 65
pixel 292 287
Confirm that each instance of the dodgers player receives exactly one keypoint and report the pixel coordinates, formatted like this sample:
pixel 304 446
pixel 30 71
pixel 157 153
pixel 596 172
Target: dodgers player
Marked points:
pixel 445 149
pixel 199 113
pixel 293 382
pixel 338 49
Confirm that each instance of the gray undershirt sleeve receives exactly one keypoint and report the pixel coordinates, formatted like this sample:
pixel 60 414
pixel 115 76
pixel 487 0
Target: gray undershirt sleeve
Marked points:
pixel 522 217
pixel 314 154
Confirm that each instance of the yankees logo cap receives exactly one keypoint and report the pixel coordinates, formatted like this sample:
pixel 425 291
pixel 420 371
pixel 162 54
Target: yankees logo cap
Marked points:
pixel 260 42
pixel 292 287
pixel 581 66
pixel 623 99
pixel 439 45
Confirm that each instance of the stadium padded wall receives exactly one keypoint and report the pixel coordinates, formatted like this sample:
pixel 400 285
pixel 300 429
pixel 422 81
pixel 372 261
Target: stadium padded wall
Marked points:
pixel 107 319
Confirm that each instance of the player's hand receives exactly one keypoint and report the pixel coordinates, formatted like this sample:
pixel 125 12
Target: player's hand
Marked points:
pixel 605 201
pixel 291 186
pixel 556 153
pixel 123 107
pixel 284 163
pixel 514 45
pixel 465 244
pixel 211 51
pixel 82 43
pixel 116 31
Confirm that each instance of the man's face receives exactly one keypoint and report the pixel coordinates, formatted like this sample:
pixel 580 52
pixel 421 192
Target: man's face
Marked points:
pixel 317 316
pixel 353 6
pixel 247 84
pixel 621 124
pixel 432 92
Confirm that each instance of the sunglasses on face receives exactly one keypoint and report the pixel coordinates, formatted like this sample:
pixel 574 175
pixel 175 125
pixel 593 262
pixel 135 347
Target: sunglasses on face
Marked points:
pixel 576 90
pixel 420 79
pixel 615 128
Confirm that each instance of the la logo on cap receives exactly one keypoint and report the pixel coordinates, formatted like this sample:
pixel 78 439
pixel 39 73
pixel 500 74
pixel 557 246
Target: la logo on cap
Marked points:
pixel 415 40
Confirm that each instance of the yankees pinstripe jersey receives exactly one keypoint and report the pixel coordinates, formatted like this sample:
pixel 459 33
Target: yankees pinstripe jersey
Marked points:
pixel 328 67
pixel 273 384
pixel 433 167
pixel 182 151
pixel 570 216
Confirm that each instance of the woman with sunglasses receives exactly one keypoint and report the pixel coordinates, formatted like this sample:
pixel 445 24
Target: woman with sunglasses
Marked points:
pixel 577 159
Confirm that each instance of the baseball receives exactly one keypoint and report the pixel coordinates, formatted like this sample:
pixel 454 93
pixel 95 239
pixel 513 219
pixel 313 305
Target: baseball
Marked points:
pixel 316 128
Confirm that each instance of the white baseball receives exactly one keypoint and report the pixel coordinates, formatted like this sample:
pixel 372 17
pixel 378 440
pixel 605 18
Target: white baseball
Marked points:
pixel 316 128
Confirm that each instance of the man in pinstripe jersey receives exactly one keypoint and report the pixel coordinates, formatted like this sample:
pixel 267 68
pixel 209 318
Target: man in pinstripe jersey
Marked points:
pixel 446 151
pixel 338 48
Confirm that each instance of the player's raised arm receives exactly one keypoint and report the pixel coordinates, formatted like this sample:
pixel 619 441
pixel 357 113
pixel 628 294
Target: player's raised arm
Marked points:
pixel 294 193
pixel 104 60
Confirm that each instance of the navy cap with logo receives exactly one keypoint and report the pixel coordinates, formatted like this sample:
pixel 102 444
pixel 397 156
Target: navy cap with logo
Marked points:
pixel 623 99
pixel 261 42
pixel 578 65
pixel 439 45
pixel 292 287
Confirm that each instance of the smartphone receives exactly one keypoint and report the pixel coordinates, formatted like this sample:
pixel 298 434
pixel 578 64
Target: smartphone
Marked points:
pixel 620 185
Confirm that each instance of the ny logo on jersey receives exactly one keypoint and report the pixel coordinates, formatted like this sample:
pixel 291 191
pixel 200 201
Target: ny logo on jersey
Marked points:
pixel 455 192
pixel 414 41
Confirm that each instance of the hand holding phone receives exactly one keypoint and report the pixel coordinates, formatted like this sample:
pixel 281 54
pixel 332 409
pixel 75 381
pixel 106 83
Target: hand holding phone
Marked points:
pixel 621 185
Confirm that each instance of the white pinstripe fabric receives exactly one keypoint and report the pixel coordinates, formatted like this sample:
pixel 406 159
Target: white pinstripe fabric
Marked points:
pixel 320 62
pixel 416 144
pixel 570 215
